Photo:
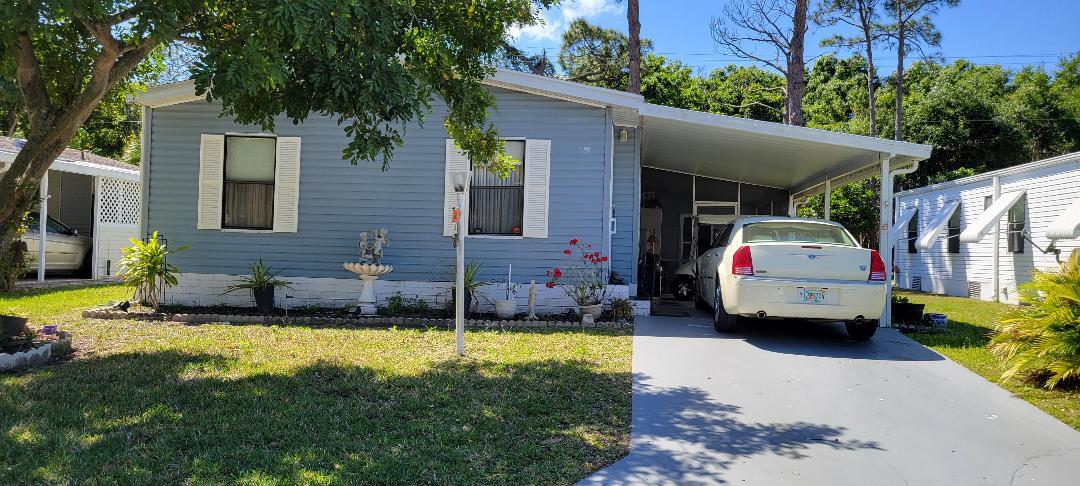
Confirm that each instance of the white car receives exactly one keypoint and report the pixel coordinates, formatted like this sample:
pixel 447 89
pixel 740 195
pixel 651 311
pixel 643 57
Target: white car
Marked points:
pixel 65 249
pixel 774 267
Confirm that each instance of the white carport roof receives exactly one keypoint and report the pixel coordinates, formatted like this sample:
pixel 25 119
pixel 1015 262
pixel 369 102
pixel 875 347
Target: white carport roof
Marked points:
pixel 764 153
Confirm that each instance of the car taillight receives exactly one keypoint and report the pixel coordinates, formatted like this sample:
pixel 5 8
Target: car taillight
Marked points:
pixel 877 267
pixel 741 262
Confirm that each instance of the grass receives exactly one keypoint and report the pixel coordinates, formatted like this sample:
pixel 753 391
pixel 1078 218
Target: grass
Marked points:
pixel 970 324
pixel 163 403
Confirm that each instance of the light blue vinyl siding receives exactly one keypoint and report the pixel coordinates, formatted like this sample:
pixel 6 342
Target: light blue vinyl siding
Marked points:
pixel 338 200
pixel 623 256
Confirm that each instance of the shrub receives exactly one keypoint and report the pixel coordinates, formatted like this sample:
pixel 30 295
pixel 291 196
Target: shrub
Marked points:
pixel 585 278
pixel 145 268
pixel 398 305
pixel 621 309
pixel 1042 338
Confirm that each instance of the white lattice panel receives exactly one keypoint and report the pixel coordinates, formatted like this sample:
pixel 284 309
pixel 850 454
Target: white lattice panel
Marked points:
pixel 119 201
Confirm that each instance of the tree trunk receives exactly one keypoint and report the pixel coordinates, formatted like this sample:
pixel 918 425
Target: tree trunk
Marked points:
pixel 796 68
pixel 898 124
pixel 634 84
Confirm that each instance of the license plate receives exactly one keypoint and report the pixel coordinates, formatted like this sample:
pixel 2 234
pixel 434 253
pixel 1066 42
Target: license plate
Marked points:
pixel 811 296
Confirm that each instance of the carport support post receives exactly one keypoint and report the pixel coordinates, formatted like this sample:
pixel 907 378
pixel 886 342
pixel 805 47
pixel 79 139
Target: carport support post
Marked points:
pixel 828 198
pixel 43 219
pixel 884 242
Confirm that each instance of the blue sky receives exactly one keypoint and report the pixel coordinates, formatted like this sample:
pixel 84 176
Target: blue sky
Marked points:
pixel 1007 32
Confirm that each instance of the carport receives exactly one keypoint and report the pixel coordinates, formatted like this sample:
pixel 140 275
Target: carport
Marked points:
pixel 801 162
pixel 97 196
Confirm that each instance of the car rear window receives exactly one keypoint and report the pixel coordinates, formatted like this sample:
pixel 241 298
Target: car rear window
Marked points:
pixel 795 232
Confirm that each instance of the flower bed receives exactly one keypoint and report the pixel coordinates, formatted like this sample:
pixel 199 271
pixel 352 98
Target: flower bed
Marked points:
pixel 336 317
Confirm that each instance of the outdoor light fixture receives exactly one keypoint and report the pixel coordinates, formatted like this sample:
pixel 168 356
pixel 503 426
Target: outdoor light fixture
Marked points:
pixel 624 136
pixel 460 180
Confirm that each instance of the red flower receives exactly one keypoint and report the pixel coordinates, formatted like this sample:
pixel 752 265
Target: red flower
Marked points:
pixel 603 259
pixel 573 241
pixel 588 246
pixel 567 252
pixel 551 285
pixel 557 273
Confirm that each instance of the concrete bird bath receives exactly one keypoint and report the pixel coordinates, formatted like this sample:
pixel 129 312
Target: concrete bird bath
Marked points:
pixel 368 268
pixel 368 273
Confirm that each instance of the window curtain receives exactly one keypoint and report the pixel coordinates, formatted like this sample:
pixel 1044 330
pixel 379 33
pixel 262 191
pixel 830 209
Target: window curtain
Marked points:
pixel 249 205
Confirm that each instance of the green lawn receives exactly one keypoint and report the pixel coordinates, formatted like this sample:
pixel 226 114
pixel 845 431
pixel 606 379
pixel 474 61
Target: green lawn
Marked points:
pixel 163 403
pixel 970 322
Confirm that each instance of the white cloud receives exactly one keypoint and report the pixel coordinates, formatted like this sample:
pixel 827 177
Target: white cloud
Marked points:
pixel 588 8
pixel 545 30
pixel 551 29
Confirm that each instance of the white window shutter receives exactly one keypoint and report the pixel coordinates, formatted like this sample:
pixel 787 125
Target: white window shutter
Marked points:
pixel 537 187
pixel 456 161
pixel 211 172
pixel 287 184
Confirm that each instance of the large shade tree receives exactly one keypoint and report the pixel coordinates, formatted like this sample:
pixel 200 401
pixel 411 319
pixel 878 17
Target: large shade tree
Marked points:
pixel 373 65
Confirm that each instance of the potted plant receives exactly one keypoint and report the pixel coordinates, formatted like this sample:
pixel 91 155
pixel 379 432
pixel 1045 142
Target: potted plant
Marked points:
pixel 144 267
pixel 585 280
pixel 903 310
pixel 507 309
pixel 261 283
pixel 472 284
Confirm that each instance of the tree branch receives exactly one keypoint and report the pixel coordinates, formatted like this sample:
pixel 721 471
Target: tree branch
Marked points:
pixel 30 81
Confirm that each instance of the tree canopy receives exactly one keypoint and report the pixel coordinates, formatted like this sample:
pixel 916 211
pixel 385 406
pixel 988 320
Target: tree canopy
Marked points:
pixel 372 65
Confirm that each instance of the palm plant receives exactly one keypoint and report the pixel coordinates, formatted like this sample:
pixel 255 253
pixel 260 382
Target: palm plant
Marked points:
pixel 1042 338
pixel 262 277
pixel 261 284
pixel 144 266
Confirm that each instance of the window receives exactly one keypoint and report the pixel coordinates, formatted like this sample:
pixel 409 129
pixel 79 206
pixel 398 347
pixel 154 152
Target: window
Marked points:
pixel 912 231
pixel 248 192
pixel 796 232
pixel 987 202
pixel 496 204
pixel 1017 223
pixel 954 231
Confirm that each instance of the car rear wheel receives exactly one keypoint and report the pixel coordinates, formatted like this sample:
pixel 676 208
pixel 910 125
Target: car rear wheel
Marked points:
pixel 862 331
pixel 722 321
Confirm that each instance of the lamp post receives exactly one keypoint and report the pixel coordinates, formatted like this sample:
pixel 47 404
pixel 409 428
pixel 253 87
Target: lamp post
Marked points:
pixel 460 180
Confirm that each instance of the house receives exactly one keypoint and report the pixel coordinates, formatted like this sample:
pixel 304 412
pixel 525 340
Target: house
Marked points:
pixel 590 157
pixel 95 195
pixel 982 236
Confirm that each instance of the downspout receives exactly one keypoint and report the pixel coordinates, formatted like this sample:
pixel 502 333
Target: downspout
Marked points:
pixel 995 280
pixel 885 243
pixel 144 172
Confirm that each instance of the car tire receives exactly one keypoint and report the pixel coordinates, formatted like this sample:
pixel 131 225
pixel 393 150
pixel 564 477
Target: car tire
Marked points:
pixel 84 270
pixel 684 288
pixel 722 321
pixel 862 331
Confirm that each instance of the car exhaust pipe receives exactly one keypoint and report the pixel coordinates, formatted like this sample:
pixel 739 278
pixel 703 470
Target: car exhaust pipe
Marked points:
pixel 859 319
pixel 761 314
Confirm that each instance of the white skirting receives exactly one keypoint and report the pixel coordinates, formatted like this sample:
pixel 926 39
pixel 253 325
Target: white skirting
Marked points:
pixel 207 289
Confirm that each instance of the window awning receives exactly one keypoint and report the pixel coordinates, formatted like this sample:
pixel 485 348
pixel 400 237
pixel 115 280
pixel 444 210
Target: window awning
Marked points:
pixel 978 229
pixel 900 228
pixel 933 230
pixel 1067 225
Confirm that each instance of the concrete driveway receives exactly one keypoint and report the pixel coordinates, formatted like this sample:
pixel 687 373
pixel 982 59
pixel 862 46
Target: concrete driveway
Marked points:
pixel 787 403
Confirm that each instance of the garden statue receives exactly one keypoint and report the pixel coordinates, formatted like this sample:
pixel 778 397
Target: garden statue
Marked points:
pixel 381 240
pixel 532 301
pixel 372 251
